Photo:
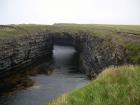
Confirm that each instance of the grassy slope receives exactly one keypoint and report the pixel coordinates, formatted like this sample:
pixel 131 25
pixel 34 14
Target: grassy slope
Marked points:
pixel 114 86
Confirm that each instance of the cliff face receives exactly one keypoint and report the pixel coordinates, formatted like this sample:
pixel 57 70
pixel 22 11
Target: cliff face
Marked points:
pixel 23 49
pixel 94 53
pixel 97 54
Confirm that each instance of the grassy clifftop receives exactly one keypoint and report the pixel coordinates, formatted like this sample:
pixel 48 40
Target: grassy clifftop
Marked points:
pixel 118 33
pixel 114 86
pixel 126 35
pixel 22 29
pixel 100 30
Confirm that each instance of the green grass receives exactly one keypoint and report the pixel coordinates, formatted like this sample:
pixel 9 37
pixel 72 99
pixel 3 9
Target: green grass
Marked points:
pixel 22 29
pixel 32 28
pixel 114 86
pixel 100 28
pixel 7 32
pixel 133 53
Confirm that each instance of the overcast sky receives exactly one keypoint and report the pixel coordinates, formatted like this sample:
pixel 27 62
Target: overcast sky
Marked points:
pixel 70 11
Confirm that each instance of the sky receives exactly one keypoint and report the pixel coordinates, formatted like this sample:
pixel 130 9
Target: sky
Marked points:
pixel 70 11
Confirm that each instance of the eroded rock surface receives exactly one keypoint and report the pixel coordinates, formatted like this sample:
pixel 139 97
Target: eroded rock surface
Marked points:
pixel 95 53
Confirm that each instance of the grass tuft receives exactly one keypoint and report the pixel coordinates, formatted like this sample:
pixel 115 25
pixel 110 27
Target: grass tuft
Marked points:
pixel 114 86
